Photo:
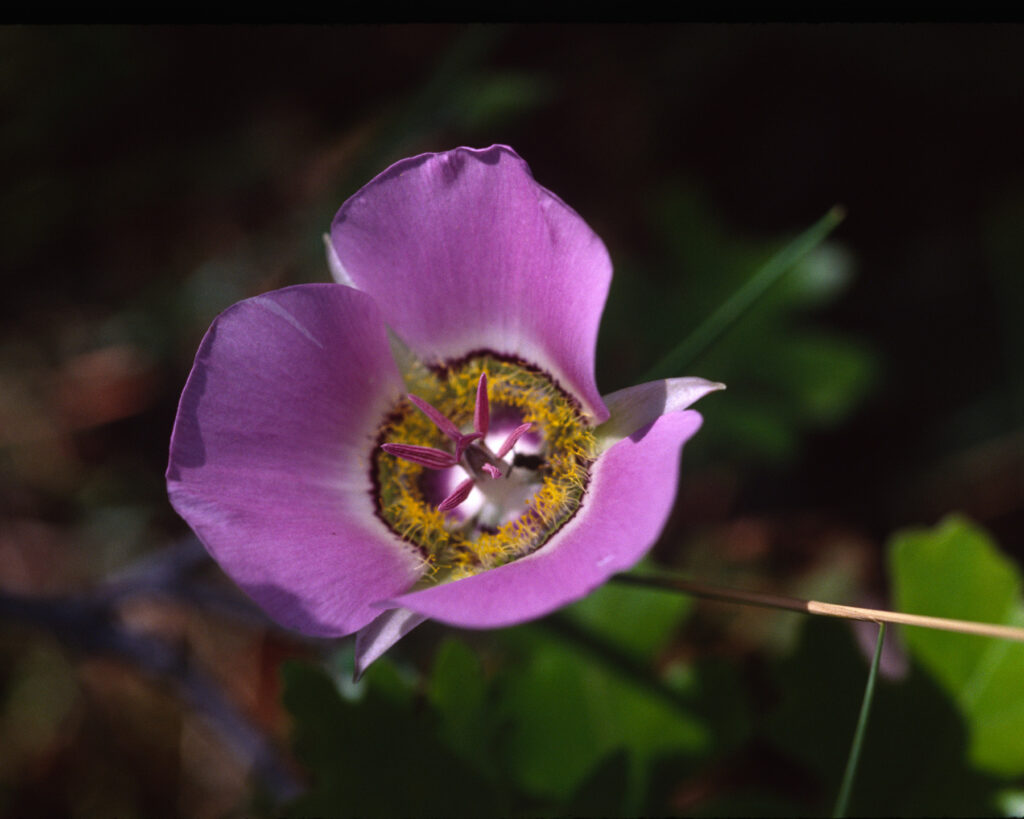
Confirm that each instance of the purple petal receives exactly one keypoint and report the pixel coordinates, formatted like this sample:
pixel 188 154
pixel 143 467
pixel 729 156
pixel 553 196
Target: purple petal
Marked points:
pixel 635 407
pixel 270 455
pixel 631 493
pixel 464 250
pixel 458 496
pixel 423 455
pixel 376 638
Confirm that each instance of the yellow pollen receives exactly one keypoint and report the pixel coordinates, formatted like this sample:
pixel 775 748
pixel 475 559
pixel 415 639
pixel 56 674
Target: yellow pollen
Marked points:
pixel 453 545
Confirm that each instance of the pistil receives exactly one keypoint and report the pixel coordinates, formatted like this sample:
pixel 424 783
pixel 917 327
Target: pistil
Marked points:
pixel 471 450
pixel 521 499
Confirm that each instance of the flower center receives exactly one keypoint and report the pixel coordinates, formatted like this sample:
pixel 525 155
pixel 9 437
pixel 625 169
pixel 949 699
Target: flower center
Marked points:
pixel 481 463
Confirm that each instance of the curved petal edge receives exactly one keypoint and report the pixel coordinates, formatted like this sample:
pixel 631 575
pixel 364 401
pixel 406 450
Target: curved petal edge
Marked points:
pixel 633 408
pixel 386 630
pixel 270 451
pixel 463 251
pixel 631 494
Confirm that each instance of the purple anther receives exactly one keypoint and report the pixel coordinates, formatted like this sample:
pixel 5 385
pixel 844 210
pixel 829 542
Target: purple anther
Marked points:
pixel 440 421
pixel 458 496
pixel 513 437
pixel 482 412
pixel 492 470
pixel 422 455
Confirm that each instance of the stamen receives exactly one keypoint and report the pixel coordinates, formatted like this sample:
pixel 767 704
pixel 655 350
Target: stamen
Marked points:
pixel 482 411
pixel 458 496
pixel 422 455
pixel 536 493
pixel 513 437
pixel 463 442
pixel 440 421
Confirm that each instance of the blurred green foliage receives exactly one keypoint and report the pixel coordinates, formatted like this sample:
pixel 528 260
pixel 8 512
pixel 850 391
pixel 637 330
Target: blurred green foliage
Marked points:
pixel 378 757
pixel 569 715
pixel 785 372
pixel 913 762
pixel 590 712
pixel 955 570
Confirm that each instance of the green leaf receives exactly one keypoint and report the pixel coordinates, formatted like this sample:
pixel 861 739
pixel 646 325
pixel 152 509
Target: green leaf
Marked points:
pixel 752 425
pixel 458 692
pixel 639 622
pixel 492 100
pixel 377 757
pixel 956 571
pixel 819 277
pixel 826 374
pixel 565 711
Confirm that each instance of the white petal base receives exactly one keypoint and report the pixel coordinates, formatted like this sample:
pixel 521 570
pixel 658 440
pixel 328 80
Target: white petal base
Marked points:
pixel 635 407
pixel 376 638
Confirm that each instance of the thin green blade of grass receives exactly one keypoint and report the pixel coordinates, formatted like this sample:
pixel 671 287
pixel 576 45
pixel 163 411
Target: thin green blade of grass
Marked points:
pixel 691 347
pixel 843 799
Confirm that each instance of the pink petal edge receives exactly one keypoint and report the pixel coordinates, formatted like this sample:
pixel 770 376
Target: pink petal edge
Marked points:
pixel 463 250
pixel 270 451
pixel 630 496
pixel 377 637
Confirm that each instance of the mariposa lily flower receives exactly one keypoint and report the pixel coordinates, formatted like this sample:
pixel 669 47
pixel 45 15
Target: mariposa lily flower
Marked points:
pixel 425 438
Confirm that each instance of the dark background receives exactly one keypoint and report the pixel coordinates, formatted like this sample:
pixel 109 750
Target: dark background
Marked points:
pixel 152 176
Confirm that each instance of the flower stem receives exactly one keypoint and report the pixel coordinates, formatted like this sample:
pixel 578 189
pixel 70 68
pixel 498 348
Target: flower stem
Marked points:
pixel 775 601
pixel 858 737
pixel 684 353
